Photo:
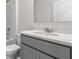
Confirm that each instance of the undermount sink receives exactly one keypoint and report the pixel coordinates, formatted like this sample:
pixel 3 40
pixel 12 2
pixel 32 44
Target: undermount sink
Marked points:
pixel 45 33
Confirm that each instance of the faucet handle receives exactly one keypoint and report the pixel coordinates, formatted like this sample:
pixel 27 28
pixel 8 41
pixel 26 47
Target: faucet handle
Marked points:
pixel 47 30
pixel 52 29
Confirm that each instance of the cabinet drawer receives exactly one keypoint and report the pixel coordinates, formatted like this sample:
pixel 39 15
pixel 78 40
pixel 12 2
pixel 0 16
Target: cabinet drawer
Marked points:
pixel 56 50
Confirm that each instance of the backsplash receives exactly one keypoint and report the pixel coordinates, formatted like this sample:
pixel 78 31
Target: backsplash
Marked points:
pixel 59 27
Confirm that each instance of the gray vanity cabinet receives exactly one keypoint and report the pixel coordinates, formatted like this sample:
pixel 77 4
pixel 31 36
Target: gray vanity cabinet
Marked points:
pixel 27 52
pixel 43 56
pixel 36 48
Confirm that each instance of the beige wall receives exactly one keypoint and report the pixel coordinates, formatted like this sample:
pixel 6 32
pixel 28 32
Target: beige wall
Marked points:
pixel 26 19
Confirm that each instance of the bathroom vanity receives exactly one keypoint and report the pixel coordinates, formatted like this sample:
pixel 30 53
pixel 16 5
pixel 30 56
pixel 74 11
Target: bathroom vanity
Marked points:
pixel 43 46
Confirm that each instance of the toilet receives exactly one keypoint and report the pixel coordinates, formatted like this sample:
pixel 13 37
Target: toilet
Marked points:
pixel 12 49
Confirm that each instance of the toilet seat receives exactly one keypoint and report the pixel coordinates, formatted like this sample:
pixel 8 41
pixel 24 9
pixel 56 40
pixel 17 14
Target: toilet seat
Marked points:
pixel 12 47
pixel 11 51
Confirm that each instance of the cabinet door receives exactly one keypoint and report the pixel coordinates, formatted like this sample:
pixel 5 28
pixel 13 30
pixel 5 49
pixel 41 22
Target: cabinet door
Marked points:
pixel 44 56
pixel 52 49
pixel 27 53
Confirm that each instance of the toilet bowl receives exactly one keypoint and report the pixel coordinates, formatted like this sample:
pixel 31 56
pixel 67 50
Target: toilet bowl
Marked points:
pixel 12 48
pixel 11 51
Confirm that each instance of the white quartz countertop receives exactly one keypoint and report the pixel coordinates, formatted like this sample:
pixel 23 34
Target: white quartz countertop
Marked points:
pixel 65 39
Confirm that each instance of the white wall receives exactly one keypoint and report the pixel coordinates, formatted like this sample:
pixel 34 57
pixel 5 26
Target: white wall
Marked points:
pixel 24 15
pixel 26 19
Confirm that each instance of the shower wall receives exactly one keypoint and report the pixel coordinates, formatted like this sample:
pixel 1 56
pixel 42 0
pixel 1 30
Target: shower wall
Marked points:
pixel 10 19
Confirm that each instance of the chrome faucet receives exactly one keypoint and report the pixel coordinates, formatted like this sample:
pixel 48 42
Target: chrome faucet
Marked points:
pixel 48 30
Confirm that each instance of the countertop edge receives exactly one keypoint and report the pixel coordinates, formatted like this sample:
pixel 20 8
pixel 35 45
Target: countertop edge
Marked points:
pixel 66 44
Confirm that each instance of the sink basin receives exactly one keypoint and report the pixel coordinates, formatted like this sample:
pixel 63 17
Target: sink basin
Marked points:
pixel 44 33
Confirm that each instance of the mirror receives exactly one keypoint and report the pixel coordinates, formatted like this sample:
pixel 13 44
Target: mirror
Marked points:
pixel 50 11
pixel 43 11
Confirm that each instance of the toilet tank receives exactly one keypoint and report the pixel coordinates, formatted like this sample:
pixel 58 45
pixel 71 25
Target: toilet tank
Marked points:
pixel 10 41
pixel 16 40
